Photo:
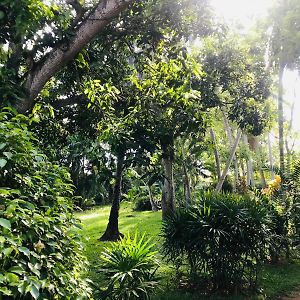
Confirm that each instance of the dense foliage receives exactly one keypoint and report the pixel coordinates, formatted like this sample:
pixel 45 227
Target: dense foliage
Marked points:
pixel 40 247
pixel 130 266
pixel 223 236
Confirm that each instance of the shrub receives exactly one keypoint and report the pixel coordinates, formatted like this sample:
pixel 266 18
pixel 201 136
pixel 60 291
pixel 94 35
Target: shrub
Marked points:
pixel 130 266
pixel 40 248
pixel 81 203
pixel 223 236
pixel 142 204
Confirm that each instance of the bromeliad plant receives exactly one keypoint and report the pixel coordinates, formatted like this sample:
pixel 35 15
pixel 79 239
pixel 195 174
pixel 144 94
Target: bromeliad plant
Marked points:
pixel 130 266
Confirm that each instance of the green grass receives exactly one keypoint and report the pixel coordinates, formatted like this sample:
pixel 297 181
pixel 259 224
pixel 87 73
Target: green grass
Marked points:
pixel 94 224
pixel 275 280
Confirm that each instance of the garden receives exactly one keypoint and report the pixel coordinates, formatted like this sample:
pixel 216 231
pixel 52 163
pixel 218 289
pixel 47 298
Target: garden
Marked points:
pixel 149 150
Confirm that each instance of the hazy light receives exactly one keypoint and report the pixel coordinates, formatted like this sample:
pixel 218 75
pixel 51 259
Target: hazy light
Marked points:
pixel 244 12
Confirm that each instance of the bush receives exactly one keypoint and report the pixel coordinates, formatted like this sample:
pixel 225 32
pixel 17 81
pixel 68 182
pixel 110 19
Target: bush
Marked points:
pixel 130 266
pixel 40 249
pixel 223 236
pixel 81 203
pixel 142 204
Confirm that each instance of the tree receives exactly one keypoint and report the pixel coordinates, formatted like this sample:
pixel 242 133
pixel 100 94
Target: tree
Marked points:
pixel 237 83
pixel 170 108
pixel 285 53
pixel 61 40
pixel 41 38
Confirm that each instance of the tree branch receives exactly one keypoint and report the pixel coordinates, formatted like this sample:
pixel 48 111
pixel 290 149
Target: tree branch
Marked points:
pixel 103 14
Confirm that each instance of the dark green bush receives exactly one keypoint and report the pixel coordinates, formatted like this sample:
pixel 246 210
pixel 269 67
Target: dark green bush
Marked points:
pixel 130 267
pixel 223 236
pixel 142 204
pixel 81 203
pixel 40 249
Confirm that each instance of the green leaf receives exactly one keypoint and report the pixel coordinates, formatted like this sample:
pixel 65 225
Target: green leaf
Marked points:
pixel 3 162
pixel 17 269
pixel 22 287
pixel 5 223
pixel 24 250
pixel 5 291
pixel 12 278
pixel 34 292
pixel 8 154
pixel 2 145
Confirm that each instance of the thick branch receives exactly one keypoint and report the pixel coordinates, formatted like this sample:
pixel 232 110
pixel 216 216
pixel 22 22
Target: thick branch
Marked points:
pixel 103 14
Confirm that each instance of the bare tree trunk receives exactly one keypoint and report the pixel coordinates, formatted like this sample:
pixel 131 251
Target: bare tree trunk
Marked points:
pixel 112 230
pixel 271 158
pixel 256 147
pixel 230 138
pixel 168 193
pixel 216 153
pixel 232 152
pixel 152 202
pixel 187 186
pixel 249 165
pixel 287 147
pixel 280 118
pixel 99 17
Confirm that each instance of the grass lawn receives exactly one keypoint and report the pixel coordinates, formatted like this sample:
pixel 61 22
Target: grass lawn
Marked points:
pixel 276 280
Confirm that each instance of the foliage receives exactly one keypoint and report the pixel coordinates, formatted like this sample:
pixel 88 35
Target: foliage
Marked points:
pixel 223 236
pixel 291 185
pixel 235 80
pixel 284 39
pixel 275 279
pixel 130 265
pixel 40 248
pixel 273 186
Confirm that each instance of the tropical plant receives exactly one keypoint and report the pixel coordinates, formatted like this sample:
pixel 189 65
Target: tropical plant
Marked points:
pixel 40 247
pixel 225 236
pixel 130 266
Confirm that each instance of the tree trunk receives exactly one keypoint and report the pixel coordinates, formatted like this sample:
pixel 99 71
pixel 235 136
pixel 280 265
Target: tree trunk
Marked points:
pixel 250 179
pixel 232 153
pixel 289 149
pixel 216 153
pixel 259 153
pixel 271 158
pixel 152 202
pixel 249 165
pixel 230 138
pixel 112 230
pixel 187 186
pixel 168 193
pixel 99 17
pixel 280 118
